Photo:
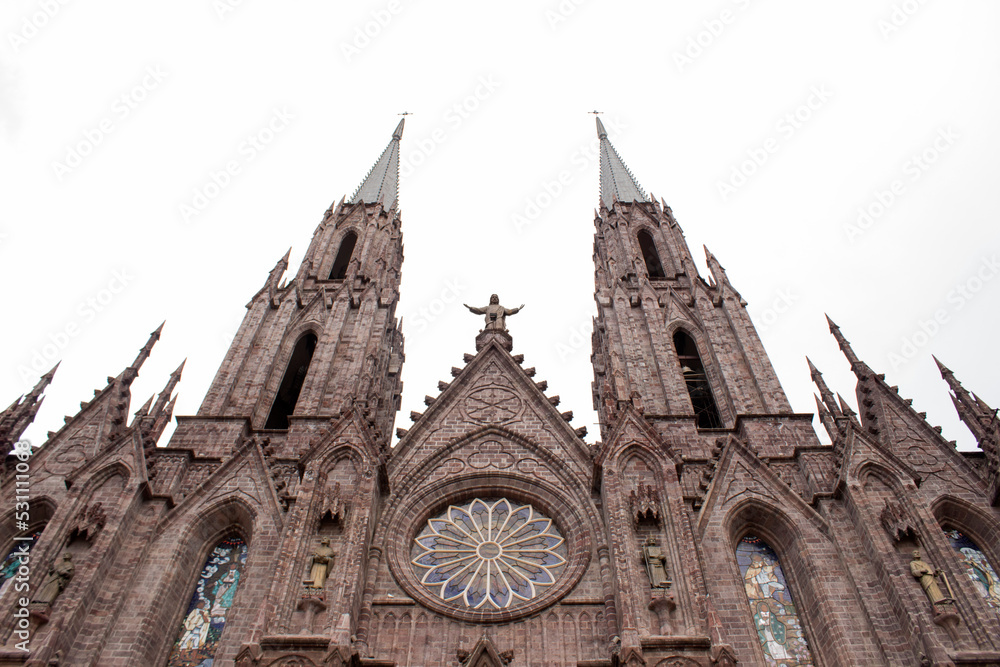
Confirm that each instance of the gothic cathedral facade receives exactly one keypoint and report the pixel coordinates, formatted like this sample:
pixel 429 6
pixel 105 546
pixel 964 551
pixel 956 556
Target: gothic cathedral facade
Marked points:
pixel 278 527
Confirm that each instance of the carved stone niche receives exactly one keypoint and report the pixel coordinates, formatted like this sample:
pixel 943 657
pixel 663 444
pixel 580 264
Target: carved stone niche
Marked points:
pixel 644 502
pixel 897 523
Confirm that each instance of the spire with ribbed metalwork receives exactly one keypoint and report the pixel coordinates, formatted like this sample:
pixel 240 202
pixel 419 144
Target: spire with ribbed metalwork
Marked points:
pixel 617 182
pixel 382 181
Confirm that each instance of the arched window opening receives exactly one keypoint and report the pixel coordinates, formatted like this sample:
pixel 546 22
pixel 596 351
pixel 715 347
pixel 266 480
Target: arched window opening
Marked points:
pixel 774 615
pixel 977 567
pixel 291 383
pixel 696 381
pixel 18 555
pixel 653 266
pixel 205 618
pixel 339 270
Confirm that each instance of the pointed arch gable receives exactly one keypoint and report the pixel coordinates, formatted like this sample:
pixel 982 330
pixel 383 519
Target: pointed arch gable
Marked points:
pixel 631 428
pixel 772 604
pixel 40 513
pixel 558 467
pixel 338 485
pixel 162 586
pixel 864 456
pixel 101 465
pixel 791 546
pixel 308 316
pixel 983 526
pixel 633 451
pixel 210 604
pixel 742 477
pixel 449 399
pixel 893 480
pixel 346 438
pixel 215 519
pixel 101 477
pixel 768 520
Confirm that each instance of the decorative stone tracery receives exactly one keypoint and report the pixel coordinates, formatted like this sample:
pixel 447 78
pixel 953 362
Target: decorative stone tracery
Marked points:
pixel 490 553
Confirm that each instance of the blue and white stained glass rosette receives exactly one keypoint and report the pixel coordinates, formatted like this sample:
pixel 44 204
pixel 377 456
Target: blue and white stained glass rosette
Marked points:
pixel 489 554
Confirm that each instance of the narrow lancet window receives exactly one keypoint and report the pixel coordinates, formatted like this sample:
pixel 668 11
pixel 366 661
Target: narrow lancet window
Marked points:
pixel 653 266
pixel 774 615
pixel 696 381
pixel 979 570
pixel 206 614
pixel 339 270
pixel 291 383
pixel 18 556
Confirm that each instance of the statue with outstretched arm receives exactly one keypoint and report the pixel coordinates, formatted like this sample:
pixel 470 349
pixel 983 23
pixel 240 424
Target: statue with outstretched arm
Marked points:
pixel 495 314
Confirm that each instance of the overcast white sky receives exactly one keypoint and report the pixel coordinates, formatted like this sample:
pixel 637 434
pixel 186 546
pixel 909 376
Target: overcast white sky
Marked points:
pixel 113 115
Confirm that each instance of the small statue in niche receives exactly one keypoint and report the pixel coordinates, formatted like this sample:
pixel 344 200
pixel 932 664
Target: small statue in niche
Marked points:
pixel 56 580
pixel 928 578
pixel 656 564
pixel 322 563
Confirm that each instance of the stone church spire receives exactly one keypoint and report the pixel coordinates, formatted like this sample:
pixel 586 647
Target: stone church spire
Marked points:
pixel 982 420
pixel 666 341
pixel 382 182
pixel 326 340
pixel 19 415
pixel 708 526
pixel 617 182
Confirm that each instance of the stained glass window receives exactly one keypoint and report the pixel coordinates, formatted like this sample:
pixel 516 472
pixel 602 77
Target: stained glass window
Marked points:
pixel 983 576
pixel 774 615
pixel 205 617
pixel 10 564
pixel 489 554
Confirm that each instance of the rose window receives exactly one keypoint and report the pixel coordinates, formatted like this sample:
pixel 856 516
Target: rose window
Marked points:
pixel 489 554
